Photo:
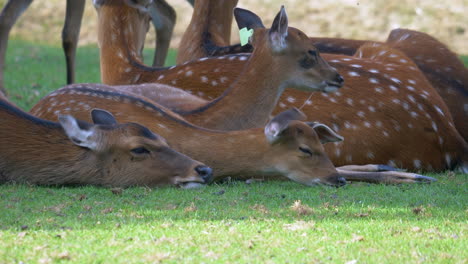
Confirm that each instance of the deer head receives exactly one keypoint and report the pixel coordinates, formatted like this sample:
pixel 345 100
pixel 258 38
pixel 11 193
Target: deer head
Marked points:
pixel 297 150
pixel 290 49
pixel 133 155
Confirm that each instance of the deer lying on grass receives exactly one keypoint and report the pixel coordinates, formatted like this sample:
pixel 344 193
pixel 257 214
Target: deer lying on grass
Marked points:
pixel 442 68
pixel 284 148
pixel 387 110
pixel 104 153
pixel 277 62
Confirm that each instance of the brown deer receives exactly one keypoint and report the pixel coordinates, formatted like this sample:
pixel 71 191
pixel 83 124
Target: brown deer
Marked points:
pixel 282 58
pixel 443 68
pixel 122 29
pixel 284 148
pixel 375 101
pixel 105 153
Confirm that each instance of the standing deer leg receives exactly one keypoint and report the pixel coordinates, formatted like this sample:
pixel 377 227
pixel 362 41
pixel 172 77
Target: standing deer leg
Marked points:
pixel 163 18
pixel 10 13
pixel 70 34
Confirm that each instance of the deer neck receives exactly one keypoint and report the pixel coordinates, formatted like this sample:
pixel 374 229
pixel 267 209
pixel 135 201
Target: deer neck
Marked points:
pixel 119 46
pixel 249 101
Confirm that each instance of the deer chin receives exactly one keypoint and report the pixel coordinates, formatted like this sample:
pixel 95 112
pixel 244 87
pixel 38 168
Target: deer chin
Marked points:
pixel 190 185
pixel 331 88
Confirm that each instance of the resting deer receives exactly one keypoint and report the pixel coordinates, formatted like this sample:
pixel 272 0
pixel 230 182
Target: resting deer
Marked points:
pixel 443 68
pixel 284 148
pixel 104 153
pixel 282 58
pixel 386 110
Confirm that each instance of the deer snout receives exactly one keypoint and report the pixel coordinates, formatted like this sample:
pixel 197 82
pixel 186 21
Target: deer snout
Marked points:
pixel 341 181
pixel 337 81
pixel 205 172
pixel 336 180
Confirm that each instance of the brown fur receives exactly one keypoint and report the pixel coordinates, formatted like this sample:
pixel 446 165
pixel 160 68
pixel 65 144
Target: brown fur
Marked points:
pixel 241 154
pixel 442 68
pixel 382 122
pixel 214 16
pixel 39 152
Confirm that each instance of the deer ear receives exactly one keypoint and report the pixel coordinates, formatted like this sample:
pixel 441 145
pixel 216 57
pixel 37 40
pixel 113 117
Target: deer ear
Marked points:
pixel 248 19
pixel 102 117
pixel 280 123
pixel 279 31
pixel 79 136
pixel 325 133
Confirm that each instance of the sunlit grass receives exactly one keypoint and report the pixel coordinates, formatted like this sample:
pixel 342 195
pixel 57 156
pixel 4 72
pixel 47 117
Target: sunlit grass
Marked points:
pixel 275 222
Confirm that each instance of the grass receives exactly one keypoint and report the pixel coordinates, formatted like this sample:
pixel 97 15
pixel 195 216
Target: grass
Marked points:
pixel 263 222
pixel 236 222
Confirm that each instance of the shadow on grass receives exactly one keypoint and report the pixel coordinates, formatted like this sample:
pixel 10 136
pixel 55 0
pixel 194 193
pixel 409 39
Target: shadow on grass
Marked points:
pixel 52 208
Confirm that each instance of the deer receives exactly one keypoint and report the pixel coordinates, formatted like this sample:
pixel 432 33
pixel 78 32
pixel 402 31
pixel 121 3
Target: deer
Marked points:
pixel 277 62
pixel 103 153
pixel 286 147
pixel 162 16
pixel 442 67
pixel 367 81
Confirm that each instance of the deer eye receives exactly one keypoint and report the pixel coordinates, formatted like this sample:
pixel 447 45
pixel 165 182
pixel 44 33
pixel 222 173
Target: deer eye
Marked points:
pixel 140 151
pixel 306 151
pixel 312 52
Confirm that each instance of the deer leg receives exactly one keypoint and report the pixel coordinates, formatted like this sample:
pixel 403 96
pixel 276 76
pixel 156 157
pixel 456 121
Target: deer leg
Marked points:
pixel 10 13
pixel 163 18
pixel 70 34
pixel 369 168
pixel 386 177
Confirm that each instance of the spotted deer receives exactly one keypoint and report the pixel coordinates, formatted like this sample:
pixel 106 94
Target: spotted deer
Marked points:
pixel 73 152
pixel 122 29
pixel 282 58
pixel 443 68
pixel 285 147
pixel 392 101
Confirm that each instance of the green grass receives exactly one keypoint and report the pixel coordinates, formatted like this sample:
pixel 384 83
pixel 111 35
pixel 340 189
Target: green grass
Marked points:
pixel 33 70
pixel 232 222
pixel 237 222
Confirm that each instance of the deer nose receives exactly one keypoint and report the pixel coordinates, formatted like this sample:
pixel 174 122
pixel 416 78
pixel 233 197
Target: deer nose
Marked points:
pixel 205 172
pixel 341 181
pixel 339 79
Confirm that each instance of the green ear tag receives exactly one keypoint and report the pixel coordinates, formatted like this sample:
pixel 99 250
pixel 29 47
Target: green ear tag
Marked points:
pixel 245 34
